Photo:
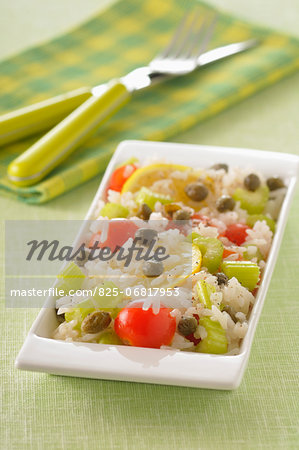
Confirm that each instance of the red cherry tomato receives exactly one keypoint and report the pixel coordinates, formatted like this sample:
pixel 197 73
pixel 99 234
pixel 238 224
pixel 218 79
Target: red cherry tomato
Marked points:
pixel 144 328
pixel 236 233
pixel 120 176
pixel 119 231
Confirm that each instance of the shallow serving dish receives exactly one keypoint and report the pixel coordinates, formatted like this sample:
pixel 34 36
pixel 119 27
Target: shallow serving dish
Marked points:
pixel 41 353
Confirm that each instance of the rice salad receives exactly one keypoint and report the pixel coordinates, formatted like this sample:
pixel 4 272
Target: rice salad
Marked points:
pixel 207 233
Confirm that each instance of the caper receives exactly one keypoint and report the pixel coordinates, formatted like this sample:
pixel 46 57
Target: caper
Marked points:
pixel 220 166
pixel 221 278
pixel 225 203
pixel 146 235
pixel 187 325
pixel 152 268
pixel 196 191
pixel 182 214
pixel 144 212
pixel 274 183
pixel 252 182
pixel 95 322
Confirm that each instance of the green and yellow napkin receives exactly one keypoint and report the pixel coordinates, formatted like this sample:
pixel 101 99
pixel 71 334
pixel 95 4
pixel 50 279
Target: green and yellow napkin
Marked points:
pixel 126 36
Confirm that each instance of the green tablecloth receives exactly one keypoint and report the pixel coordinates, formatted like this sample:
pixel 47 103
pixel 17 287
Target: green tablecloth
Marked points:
pixel 42 412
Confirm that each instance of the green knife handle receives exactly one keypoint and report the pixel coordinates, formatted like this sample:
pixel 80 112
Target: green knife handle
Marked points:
pixel 55 146
pixel 40 116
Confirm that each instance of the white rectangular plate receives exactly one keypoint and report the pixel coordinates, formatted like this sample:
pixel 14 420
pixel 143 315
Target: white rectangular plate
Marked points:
pixel 41 353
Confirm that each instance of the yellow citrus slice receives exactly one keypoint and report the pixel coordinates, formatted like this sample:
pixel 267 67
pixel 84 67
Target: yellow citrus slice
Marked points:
pixel 176 272
pixel 196 259
pixel 190 263
pixel 148 175
pixel 166 179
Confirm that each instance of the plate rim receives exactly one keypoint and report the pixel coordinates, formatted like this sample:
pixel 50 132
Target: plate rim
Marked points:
pixel 38 353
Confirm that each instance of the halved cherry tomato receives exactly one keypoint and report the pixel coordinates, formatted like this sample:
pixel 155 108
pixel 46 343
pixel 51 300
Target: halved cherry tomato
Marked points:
pixel 119 231
pixel 142 328
pixel 120 176
pixel 236 233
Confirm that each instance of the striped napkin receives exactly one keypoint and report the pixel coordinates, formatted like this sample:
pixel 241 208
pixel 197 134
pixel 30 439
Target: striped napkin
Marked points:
pixel 126 36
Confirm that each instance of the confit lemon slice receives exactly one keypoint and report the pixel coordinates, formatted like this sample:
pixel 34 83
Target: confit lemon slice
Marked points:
pixel 154 176
pixel 148 175
pixel 190 263
pixel 196 259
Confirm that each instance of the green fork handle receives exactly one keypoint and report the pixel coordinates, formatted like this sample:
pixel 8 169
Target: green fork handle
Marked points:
pixel 55 146
pixel 40 116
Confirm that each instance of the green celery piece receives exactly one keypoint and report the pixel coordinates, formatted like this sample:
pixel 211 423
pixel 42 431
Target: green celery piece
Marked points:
pixel 256 255
pixel 254 202
pixel 149 197
pixel 252 218
pixel 216 341
pixel 211 250
pixel 106 300
pixel 192 236
pixel 246 272
pixel 71 277
pixel 78 314
pixel 204 291
pixel 86 304
pixel 114 211
pixel 109 337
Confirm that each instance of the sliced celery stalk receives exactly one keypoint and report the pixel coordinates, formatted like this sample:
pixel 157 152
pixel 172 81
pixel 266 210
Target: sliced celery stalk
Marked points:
pixel 246 272
pixel 71 278
pixel 107 295
pixel 114 211
pixel 204 291
pixel 86 304
pixel 211 250
pixel 78 314
pixel 191 236
pixel 216 341
pixel 253 202
pixel 109 337
pixel 149 197
pixel 252 218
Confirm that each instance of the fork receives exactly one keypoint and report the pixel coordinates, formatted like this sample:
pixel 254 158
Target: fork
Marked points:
pixel 181 56
pixel 188 42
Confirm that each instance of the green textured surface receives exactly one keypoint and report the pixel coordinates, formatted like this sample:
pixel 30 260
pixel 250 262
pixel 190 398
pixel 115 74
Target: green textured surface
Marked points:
pixel 46 412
